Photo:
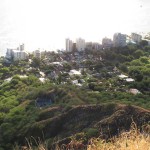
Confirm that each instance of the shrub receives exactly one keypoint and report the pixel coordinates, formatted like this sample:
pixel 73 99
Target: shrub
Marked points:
pixel 92 132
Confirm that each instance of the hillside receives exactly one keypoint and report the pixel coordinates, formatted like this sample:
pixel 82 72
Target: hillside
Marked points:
pixel 86 121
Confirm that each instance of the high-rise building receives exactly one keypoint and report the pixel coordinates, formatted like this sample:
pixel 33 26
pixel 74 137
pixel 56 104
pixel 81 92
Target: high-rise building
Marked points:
pixel 21 48
pixel 80 44
pixel 69 45
pixel 136 38
pixel 37 54
pixel 106 43
pixel 119 40
pixel 9 53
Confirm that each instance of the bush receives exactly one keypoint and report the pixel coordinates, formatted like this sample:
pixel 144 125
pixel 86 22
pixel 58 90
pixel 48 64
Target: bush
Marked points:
pixel 92 132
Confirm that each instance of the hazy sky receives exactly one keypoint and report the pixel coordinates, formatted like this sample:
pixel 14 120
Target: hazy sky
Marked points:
pixel 46 23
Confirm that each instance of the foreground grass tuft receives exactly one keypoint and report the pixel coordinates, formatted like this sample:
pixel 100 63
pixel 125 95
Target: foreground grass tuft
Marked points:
pixel 132 140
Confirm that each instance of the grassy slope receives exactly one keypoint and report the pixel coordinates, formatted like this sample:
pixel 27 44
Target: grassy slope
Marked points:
pixel 132 140
pixel 84 120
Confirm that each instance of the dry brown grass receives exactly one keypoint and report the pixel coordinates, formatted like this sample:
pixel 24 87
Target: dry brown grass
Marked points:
pixel 38 145
pixel 132 140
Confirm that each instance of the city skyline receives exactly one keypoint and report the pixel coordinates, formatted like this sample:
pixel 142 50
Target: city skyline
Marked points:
pixel 46 23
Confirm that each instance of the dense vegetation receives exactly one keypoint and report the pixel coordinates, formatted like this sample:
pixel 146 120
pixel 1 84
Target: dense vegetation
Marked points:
pixel 18 96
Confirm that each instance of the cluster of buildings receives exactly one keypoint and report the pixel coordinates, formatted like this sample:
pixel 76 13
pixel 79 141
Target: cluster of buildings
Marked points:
pixel 17 54
pixel 20 54
pixel 119 40
pixel 81 45
pixel 72 46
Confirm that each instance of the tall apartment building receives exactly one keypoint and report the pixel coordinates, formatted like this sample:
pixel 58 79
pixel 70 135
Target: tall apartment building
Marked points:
pixel 106 43
pixel 136 38
pixel 69 45
pixel 22 48
pixel 37 54
pixel 9 53
pixel 80 44
pixel 119 40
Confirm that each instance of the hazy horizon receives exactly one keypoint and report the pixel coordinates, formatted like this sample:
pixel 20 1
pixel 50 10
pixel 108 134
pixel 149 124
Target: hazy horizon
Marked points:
pixel 47 23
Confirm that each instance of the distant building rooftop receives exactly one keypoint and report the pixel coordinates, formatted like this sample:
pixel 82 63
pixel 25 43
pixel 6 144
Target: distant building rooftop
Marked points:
pixel 134 91
pixel 74 72
pixel 122 76
pixel 130 80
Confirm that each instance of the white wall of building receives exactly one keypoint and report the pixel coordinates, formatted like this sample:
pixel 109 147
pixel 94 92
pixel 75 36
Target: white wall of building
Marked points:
pixel 80 44
pixel 37 54
pixel 22 47
pixel 19 55
pixel 69 45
